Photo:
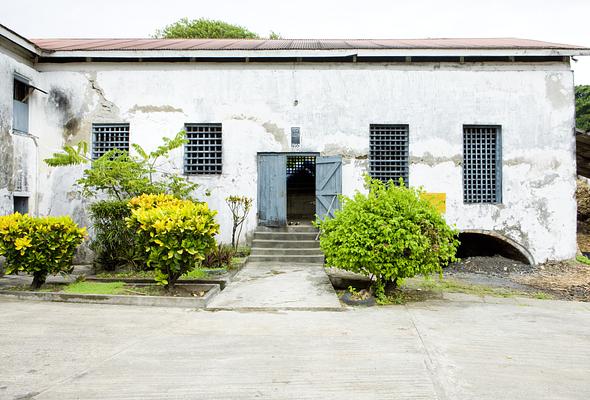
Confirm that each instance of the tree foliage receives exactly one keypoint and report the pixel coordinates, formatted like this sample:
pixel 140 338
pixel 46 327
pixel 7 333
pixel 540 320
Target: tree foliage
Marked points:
pixel 121 175
pixel 388 234
pixel 203 28
pixel 583 107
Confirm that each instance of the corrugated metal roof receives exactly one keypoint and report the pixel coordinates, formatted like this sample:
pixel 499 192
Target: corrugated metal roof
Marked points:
pixel 293 44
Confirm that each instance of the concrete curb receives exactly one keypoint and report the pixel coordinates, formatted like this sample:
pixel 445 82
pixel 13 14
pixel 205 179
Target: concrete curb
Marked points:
pixel 222 281
pixel 276 309
pixel 152 301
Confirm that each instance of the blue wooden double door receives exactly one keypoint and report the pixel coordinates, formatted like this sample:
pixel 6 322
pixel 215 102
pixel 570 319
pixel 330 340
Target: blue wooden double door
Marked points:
pixel 277 185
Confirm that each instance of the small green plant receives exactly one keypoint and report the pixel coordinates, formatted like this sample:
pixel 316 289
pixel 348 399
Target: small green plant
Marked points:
pixel 353 291
pixel 219 257
pixel 240 207
pixel 389 234
pixel 40 246
pixel 583 259
pixel 175 234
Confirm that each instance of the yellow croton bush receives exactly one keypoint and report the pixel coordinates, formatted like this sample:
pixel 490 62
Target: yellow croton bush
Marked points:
pixel 175 234
pixel 40 246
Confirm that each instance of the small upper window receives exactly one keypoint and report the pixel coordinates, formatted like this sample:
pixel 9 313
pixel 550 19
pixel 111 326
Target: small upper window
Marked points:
pixel 389 152
pixel 21 91
pixel 482 164
pixel 203 152
pixel 20 105
pixel 106 137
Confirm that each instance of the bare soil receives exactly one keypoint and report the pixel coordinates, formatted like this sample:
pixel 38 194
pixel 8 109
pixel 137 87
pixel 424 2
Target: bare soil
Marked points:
pixel 566 280
pixel 154 290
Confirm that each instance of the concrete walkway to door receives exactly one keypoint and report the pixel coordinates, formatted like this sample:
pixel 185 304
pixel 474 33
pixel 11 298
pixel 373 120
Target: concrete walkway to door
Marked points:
pixel 270 285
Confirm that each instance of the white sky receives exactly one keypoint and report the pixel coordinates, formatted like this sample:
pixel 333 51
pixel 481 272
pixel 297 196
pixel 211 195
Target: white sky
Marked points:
pixel 563 21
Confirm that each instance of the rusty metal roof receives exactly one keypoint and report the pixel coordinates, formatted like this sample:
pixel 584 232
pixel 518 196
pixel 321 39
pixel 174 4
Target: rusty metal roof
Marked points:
pixel 295 44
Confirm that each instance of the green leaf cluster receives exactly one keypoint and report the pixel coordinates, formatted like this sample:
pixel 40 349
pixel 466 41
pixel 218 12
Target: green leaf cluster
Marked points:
pixel 175 234
pixel 39 246
pixel 583 107
pixel 121 175
pixel 71 155
pixel 389 234
pixel 220 256
pixel 204 28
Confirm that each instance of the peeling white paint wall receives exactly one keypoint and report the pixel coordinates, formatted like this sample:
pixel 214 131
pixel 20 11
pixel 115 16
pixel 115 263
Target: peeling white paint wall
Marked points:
pixel 334 104
pixel 18 153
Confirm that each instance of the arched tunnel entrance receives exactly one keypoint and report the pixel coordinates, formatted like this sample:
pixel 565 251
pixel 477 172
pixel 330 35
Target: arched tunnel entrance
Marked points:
pixel 489 244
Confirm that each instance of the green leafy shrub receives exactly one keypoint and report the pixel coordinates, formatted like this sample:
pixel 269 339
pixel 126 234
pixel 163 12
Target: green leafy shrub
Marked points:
pixel 388 234
pixel 175 234
pixel 219 257
pixel 114 241
pixel 39 246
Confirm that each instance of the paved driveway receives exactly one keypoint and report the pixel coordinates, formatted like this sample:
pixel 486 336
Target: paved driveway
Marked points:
pixel 461 348
pixel 278 285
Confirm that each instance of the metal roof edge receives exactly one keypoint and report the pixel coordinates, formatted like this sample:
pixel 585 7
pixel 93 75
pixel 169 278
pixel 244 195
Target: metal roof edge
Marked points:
pixel 327 53
pixel 20 41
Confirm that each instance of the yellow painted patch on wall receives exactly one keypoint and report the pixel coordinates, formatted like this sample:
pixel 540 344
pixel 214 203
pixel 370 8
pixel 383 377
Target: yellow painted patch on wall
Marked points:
pixel 438 200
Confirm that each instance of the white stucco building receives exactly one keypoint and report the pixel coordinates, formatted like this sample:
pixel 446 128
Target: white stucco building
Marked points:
pixel 488 124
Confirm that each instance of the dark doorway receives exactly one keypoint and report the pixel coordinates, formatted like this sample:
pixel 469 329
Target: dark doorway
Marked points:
pixel 300 189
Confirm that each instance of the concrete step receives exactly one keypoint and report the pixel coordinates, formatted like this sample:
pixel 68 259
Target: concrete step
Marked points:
pixel 285 235
pixel 285 244
pixel 313 259
pixel 273 251
pixel 288 228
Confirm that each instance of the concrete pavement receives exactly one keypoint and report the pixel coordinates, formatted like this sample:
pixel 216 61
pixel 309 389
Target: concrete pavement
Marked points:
pixel 463 348
pixel 278 285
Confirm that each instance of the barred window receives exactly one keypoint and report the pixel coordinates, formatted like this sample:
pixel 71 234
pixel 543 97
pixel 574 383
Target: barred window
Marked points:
pixel 106 137
pixel 202 153
pixel 482 163
pixel 389 152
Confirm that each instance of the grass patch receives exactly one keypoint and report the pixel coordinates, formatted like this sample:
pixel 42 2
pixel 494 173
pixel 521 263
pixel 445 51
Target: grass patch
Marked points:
pixel 243 251
pixel 454 286
pixel 236 261
pixel 127 274
pixel 95 288
pixel 194 274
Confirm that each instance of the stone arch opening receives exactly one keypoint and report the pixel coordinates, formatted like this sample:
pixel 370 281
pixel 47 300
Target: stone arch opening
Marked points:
pixel 488 244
